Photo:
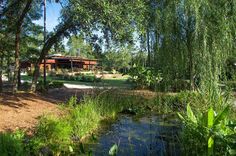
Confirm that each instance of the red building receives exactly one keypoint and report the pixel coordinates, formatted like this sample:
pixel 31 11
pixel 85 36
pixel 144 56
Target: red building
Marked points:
pixel 66 62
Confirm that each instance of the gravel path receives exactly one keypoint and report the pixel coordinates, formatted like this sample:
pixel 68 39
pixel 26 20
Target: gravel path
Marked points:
pixel 79 86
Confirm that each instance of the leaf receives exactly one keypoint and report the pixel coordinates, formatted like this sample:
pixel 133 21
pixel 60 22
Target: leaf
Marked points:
pixel 71 149
pixel 81 147
pixel 221 115
pixel 190 114
pixel 94 138
pixel 210 146
pixel 232 152
pixel 181 117
pixel 210 118
pixel 113 150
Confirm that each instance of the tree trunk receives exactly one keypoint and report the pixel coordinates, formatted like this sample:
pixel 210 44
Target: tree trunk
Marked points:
pixel 17 44
pixel 19 77
pixel 17 61
pixel 148 49
pixel 8 69
pixel 1 71
pixel 191 68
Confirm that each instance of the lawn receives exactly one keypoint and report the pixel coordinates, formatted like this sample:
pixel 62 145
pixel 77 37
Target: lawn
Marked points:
pixel 109 82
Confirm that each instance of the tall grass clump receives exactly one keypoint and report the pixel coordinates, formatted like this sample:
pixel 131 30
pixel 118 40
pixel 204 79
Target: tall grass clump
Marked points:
pixel 52 137
pixel 83 117
pixel 12 144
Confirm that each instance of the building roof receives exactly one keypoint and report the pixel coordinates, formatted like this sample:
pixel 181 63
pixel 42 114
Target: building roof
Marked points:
pixel 71 57
pixel 49 61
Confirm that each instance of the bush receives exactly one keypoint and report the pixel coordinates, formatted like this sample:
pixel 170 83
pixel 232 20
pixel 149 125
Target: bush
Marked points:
pixel 88 78
pixel 144 77
pixel 49 85
pixel 55 84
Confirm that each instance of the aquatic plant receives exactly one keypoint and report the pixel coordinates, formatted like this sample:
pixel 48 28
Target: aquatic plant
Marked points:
pixel 208 132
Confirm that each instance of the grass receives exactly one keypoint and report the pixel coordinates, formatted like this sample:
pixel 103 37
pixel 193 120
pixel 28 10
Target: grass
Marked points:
pixel 108 82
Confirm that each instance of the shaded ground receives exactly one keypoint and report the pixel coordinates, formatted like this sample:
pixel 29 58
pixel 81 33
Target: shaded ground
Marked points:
pixel 63 94
pixel 22 110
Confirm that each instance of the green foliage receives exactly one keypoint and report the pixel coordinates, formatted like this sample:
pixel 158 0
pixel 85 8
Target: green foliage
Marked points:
pixel 81 78
pixel 176 85
pixel 117 59
pixel 53 134
pixel 84 118
pixel 144 77
pixel 12 144
pixel 49 85
pixel 208 130
pixel 178 101
pixel 78 47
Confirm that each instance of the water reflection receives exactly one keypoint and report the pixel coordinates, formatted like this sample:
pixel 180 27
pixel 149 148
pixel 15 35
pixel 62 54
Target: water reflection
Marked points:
pixel 151 135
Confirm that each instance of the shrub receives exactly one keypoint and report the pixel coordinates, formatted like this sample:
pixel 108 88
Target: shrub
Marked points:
pixel 176 85
pixel 88 78
pixel 41 87
pixel 49 85
pixel 55 84
pixel 144 77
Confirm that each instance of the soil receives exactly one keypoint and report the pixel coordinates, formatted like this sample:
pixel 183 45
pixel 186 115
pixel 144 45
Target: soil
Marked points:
pixel 23 110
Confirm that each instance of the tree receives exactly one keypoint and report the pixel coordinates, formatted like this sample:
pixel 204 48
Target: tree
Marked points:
pixel 78 47
pixel 118 58
pixel 19 23
pixel 90 15
pixel 18 15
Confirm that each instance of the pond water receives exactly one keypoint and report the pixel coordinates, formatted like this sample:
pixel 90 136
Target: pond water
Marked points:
pixel 150 135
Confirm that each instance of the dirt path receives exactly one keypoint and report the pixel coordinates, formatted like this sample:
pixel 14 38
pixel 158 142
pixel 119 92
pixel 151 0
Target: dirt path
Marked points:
pixel 21 111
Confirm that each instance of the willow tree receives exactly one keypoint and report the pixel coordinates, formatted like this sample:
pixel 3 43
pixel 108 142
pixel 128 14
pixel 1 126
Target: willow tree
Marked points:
pixel 214 38
pixel 195 39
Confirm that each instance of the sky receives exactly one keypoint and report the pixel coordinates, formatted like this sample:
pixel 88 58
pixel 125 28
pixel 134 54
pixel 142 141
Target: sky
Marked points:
pixel 53 13
pixel 52 16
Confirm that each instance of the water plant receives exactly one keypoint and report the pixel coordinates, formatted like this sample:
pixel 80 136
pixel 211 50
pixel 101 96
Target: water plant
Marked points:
pixel 208 133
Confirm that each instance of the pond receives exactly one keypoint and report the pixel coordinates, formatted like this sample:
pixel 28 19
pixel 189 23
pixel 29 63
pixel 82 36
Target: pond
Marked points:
pixel 138 136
